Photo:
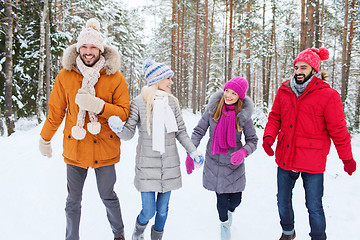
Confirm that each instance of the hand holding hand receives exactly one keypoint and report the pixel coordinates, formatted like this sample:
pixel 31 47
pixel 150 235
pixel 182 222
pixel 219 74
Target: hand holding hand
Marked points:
pixel 267 143
pixel 45 148
pixel 198 158
pixel 349 166
pixel 89 102
pixel 238 156
pixel 116 124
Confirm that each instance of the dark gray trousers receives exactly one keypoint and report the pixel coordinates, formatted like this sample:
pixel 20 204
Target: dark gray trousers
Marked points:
pixel 105 178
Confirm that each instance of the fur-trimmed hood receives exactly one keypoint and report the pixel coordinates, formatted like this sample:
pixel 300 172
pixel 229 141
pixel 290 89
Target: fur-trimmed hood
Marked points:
pixel 111 55
pixel 245 113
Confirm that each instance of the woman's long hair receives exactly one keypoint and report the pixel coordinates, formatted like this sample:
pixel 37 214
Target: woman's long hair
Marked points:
pixel 218 111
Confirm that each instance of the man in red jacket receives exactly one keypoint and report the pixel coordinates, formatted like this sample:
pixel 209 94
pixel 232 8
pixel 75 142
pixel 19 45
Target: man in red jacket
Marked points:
pixel 306 115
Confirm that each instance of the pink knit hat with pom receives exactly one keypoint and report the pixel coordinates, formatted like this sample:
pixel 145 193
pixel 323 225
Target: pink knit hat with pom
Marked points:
pixel 238 85
pixel 91 35
pixel 313 56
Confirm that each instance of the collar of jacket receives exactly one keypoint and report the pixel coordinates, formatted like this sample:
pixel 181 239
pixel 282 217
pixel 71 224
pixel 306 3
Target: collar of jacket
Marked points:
pixel 245 113
pixel 316 83
pixel 111 55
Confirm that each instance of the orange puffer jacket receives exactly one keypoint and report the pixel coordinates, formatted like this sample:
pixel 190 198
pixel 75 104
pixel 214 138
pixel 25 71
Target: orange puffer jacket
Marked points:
pixel 94 150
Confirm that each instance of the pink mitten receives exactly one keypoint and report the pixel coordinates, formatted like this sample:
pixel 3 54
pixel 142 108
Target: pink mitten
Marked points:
pixel 189 163
pixel 238 156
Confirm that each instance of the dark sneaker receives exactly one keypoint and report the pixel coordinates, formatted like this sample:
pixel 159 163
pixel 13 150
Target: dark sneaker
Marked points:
pixel 288 237
pixel 120 238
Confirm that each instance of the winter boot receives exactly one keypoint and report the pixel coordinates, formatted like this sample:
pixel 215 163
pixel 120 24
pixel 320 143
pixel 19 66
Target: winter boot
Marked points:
pixel 288 237
pixel 230 217
pixel 225 230
pixel 155 235
pixel 138 233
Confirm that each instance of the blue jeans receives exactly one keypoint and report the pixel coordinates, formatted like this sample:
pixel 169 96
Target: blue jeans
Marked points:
pixel 150 206
pixel 314 189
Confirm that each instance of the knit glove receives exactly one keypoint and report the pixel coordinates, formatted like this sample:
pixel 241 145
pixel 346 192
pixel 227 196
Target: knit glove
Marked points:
pixel 189 163
pixel 45 148
pixel 238 156
pixel 349 166
pixel 89 102
pixel 198 158
pixel 116 124
pixel 268 141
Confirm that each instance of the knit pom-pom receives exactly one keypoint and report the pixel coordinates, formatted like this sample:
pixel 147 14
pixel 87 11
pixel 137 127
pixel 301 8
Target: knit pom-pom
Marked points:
pixel 147 63
pixel 323 54
pixel 94 127
pixel 93 23
pixel 78 133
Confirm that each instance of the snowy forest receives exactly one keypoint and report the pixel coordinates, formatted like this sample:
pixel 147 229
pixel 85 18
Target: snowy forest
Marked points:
pixel 206 43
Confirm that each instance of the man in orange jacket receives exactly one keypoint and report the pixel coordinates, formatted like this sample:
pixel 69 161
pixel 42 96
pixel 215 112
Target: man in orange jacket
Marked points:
pixel 306 115
pixel 87 91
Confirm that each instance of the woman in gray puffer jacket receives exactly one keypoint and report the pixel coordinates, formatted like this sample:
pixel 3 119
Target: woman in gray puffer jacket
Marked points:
pixel 157 115
pixel 228 116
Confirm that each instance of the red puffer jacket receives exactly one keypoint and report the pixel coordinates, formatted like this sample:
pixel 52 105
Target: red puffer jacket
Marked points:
pixel 305 125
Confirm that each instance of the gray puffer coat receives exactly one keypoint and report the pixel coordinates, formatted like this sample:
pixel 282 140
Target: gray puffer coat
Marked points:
pixel 219 174
pixel 155 172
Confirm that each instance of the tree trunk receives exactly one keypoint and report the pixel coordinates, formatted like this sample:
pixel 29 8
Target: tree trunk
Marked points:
pixel 344 69
pixel 205 50
pixel 8 69
pixel 48 59
pixel 40 89
pixel 182 55
pixel 303 26
pixel 231 41
pixel 248 35
pixel 349 46
pixel 194 85
pixel 173 38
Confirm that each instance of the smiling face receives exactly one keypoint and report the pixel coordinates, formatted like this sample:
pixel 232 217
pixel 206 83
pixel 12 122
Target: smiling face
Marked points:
pixel 89 54
pixel 230 96
pixel 165 84
pixel 303 72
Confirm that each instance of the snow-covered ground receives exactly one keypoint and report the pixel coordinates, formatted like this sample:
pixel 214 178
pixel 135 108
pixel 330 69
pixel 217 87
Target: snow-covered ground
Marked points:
pixel 34 191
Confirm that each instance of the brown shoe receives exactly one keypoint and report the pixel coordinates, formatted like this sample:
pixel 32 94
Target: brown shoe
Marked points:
pixel 288 237
pixel 120 238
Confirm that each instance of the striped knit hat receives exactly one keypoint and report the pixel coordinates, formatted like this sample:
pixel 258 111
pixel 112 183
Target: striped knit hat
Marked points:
pixel 154 72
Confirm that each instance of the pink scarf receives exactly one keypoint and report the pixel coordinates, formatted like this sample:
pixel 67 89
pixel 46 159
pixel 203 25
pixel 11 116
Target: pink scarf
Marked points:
pixel 224 135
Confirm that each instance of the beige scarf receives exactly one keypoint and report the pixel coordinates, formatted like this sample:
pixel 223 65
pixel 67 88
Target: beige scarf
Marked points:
pixel 91 77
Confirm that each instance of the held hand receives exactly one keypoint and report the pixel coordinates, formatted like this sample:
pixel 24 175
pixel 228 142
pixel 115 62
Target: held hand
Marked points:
pixel 89 102
pixel 198 158
pixel 189 163
pixel 238 156
pixel 267 143
pixel 349 166
pixel 45 148
pixel 116 124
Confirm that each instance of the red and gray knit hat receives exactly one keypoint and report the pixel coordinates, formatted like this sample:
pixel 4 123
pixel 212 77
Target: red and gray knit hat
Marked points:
pixel 238 85
pixel 313 56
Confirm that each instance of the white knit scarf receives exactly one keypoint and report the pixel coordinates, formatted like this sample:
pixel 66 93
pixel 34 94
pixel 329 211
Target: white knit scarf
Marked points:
pixel 163 117
pixel 91 77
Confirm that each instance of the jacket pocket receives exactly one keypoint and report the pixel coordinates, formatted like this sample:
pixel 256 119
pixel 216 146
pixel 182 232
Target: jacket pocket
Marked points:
pixel 279 145
pixel 309 154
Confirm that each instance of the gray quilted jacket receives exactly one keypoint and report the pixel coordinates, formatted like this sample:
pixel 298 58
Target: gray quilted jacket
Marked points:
pixel 155 172
pixel 219 174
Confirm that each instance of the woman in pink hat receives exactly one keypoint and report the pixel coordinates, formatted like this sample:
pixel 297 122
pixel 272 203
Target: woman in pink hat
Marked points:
pixel 228 116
